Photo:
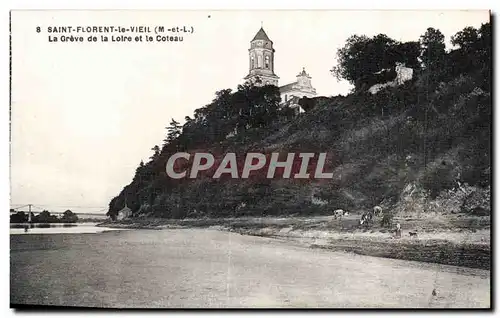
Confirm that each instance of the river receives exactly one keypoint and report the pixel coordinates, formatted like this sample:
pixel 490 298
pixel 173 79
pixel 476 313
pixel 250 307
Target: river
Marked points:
pixel 193 268
pixel 56 228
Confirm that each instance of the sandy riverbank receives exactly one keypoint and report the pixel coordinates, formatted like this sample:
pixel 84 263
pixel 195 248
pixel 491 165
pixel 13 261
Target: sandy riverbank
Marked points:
pixel 458 240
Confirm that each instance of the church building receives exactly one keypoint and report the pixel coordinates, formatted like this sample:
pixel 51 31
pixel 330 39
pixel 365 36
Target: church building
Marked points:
pixel 261 72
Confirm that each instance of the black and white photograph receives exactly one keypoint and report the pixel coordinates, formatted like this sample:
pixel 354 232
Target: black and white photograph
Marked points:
pixel 250 159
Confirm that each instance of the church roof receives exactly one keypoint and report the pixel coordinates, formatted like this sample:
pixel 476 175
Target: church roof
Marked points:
pixel 287 87
pixel 261 35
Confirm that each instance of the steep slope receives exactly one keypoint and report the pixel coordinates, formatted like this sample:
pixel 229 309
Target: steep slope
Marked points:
pixel 423 147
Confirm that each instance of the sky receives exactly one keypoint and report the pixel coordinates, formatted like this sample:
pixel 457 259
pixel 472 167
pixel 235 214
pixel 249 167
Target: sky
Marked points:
pixel 83 115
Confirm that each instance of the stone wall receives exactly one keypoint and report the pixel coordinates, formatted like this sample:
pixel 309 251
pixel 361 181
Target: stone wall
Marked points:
pixel 403 74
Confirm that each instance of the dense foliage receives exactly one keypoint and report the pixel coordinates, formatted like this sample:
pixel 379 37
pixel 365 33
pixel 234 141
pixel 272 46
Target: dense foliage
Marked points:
pixel 431 134
pixel 362 57
pixel 44 217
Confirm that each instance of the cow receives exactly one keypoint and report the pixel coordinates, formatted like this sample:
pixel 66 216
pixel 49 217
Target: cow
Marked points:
pixel 377 210
pixel 339 213
pixel 366 218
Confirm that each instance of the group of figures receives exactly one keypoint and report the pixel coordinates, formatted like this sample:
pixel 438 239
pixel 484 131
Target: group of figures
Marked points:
pixel 366 217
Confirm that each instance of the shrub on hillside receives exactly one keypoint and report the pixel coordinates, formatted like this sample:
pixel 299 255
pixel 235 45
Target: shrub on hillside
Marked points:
pixel 439 177
pixel 387 218
pixel 477 201
pixel 339 200
pixel 463 198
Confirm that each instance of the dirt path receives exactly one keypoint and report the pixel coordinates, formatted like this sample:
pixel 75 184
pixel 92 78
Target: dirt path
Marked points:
pixel 209 268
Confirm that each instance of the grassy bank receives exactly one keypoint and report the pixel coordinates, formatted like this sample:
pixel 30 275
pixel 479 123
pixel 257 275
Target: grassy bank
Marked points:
pixel 455 240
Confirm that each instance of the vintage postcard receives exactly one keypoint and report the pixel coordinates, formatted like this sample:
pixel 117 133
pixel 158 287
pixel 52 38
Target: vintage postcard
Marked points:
pixel 250 159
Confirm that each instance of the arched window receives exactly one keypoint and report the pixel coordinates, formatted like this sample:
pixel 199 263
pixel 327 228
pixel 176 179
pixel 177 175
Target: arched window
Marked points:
pixel 252 61
pixel 259 61
pixel 267 61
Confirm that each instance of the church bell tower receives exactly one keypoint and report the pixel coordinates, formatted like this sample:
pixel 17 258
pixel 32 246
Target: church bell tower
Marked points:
pixel 261 60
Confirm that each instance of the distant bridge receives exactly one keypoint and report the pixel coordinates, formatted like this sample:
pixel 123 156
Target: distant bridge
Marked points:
pixel 80 215
pixel 35 210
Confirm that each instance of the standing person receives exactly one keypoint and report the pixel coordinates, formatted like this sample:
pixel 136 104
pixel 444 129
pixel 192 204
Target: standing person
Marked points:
pixel 398 231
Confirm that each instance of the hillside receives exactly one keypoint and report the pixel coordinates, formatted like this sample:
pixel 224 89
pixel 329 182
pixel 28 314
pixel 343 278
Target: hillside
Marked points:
pixel 422 147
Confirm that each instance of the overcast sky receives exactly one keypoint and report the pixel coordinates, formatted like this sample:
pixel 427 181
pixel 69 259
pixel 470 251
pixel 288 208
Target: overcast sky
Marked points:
pixel 85 114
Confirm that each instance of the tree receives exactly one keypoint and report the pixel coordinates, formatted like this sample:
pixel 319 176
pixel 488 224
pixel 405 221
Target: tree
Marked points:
pixel 221 115
pixel 350 59
pixel 484 44
pixel 464 58
pixel 46 217
pixel 156 153
pixel 473 51
pixel 189 133
pixel 467 39
pixel 19 217
pixel 69 217
pixel 263 105
pixel 112 209
pixel 408 53
pixel 362 59
pixel 485 36
pixel 174 130
pixel 432 48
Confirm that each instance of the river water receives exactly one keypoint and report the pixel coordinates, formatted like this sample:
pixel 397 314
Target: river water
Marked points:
pixel 56 228
pixel 193 268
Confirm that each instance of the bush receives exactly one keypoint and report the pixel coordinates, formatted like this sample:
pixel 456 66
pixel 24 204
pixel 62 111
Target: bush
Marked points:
pixel 386 220
pixel 439 177
pixel 477 201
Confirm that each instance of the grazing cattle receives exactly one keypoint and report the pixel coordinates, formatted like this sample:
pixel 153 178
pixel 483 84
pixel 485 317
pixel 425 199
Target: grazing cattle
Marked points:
pixel 366 218
pixel 413 234
pixel 377 210
pixel 339 213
